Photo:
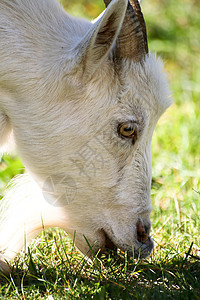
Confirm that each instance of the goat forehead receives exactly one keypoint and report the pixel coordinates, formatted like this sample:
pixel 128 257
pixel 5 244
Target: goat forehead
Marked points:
pixel 145 85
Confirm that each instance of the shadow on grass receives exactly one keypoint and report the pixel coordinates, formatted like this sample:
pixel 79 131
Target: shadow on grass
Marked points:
pixel 112 277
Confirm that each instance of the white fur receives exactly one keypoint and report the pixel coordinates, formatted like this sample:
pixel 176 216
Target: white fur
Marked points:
pixel 62 96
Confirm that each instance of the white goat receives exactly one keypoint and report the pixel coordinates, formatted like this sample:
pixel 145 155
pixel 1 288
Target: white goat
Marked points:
pixel 82 100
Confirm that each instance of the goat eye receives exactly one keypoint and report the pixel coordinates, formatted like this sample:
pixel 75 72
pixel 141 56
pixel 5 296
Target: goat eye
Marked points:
pixel 127 130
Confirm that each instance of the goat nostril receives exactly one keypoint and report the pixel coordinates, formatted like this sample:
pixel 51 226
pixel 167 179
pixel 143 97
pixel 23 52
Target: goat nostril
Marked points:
pixel 142 233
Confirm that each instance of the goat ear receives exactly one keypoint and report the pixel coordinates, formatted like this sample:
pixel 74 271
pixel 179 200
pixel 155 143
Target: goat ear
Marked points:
pixel 100 39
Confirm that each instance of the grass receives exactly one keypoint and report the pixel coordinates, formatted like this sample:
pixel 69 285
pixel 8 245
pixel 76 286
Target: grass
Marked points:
pixel 53 269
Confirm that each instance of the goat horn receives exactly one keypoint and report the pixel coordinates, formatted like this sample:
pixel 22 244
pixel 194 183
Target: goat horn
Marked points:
pixel 136 5
pixel 132 39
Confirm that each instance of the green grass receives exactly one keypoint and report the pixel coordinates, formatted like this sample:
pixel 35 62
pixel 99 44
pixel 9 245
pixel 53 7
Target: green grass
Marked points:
pixel 52 266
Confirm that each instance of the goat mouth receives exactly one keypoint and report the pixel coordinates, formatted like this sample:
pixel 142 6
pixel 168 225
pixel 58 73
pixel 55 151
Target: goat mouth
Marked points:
pixel 143 247
pixel 107 243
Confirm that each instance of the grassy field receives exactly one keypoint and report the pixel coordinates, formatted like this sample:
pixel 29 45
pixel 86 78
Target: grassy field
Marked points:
pixel 53 269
